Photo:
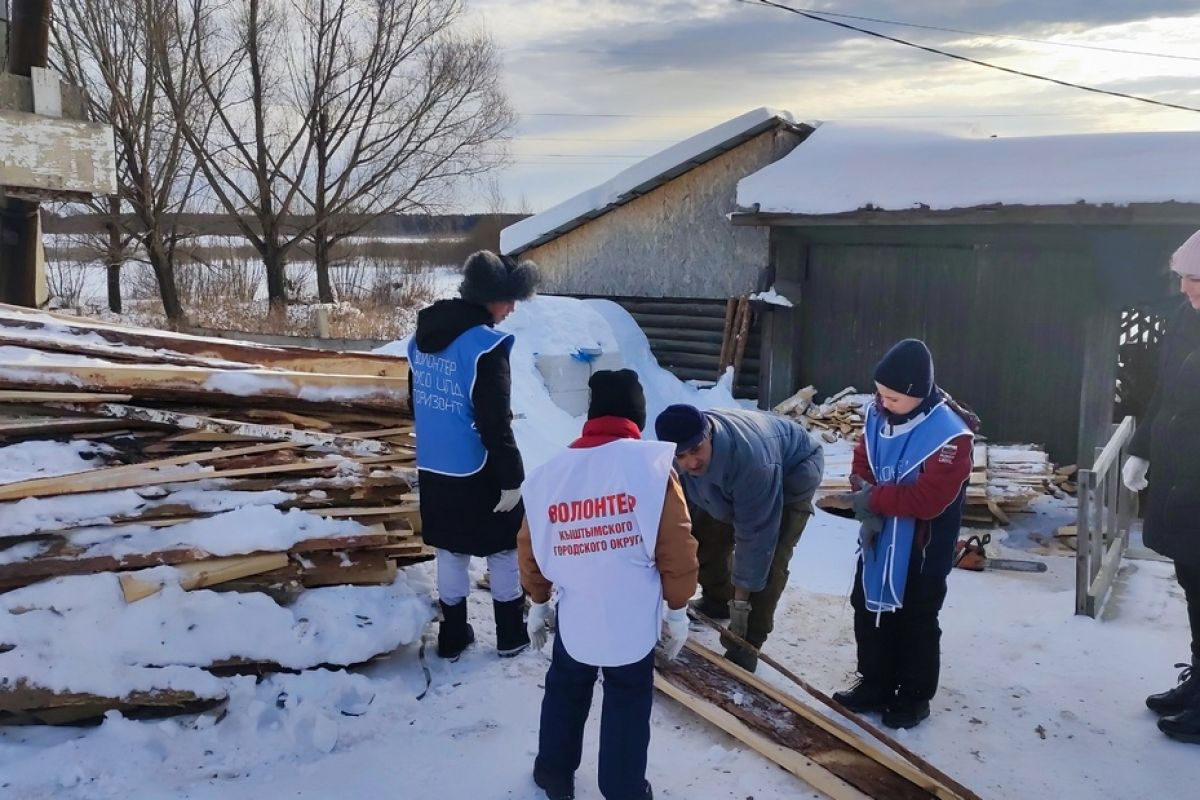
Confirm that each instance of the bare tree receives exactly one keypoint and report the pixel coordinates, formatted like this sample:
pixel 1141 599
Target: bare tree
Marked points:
pixel 331 113
pixel 107 46
pixel 404 107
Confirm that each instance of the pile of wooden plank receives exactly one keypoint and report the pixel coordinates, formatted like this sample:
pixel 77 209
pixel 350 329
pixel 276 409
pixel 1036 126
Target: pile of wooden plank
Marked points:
pixel 840 416
pixel 312 451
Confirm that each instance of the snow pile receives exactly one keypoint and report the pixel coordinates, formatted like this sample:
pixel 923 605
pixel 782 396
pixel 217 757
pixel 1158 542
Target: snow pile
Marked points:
pixel 43 459
pixel 78 634
pixel 845 167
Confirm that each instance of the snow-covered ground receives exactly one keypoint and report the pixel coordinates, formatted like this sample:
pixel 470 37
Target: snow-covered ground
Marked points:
pixel 1035 702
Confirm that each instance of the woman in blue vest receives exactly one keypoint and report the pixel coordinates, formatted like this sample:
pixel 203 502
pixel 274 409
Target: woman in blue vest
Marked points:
pixel 469 467
pixel 911 470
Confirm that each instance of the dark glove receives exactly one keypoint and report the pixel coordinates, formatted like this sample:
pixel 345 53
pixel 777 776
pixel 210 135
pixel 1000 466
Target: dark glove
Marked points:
pixel 860 498
pixel 739 617
pixel 870 529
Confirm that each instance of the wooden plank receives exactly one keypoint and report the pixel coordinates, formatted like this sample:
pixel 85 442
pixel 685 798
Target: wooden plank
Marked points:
pixel 876 752
pixel 248 430
pixel 799 765
pixel 100 476
pixel 18 396
pixel 46 426
pixel 129 480
pixel 203 574
pixel 287 416
pixel 298 359
pixel 22 695
pixel 349 569
pixel 166 382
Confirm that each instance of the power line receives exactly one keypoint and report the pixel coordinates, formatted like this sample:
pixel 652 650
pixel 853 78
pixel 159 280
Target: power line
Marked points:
pixel 957 57
pixel 919 26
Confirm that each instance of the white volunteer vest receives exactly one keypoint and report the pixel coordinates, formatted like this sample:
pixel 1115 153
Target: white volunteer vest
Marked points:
pixel 593 519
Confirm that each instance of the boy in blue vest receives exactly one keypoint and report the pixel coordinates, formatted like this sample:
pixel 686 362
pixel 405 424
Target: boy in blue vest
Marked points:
pixel 911 470
pixel 469 468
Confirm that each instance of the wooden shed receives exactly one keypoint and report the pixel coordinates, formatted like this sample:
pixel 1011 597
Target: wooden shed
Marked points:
pixel 657 239
pixel 1015 260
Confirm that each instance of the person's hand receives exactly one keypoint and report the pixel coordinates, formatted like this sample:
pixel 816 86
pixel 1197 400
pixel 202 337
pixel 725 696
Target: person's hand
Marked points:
pixel 541 615
pixel 674 631
pixel 739 617
pixel 508 500
pixel 869 531
pixel 860 498
pixel 1134 473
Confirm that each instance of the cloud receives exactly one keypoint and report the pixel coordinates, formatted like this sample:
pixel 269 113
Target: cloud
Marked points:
pixel 675 67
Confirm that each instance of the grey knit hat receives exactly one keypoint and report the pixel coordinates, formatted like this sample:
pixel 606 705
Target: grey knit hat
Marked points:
pixel 490 278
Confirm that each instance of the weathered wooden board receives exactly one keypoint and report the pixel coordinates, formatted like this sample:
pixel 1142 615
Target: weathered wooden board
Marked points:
pixel 203 574
pixel 55 155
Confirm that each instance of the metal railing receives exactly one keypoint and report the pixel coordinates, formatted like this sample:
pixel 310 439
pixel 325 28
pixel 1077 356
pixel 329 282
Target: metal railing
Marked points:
pixel 1106 511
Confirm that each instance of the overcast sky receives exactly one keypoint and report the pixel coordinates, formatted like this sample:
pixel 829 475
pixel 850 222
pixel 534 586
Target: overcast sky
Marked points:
pixel 600 83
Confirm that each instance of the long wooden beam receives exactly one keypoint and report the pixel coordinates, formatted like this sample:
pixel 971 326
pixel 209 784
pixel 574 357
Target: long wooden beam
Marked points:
pixel 298 359
pixel 797 764
pixel 248 430
pixel 166 382
pixel 948 784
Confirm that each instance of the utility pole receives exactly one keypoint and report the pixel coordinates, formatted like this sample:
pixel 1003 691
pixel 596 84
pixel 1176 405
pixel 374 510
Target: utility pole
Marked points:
pixel 28 47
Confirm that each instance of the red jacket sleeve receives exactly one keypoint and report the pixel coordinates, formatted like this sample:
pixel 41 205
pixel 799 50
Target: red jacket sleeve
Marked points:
pixel 862 466
pixel 941 478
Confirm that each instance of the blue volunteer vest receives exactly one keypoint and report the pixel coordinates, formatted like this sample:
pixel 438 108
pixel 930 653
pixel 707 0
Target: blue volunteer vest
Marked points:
pixel 447 441
pixel 896 455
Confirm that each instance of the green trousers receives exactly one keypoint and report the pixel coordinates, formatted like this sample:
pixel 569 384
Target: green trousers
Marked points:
pixel 715 553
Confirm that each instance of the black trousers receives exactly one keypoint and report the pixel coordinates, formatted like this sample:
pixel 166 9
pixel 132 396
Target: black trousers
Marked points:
pixel 901 650
pixel 1189 580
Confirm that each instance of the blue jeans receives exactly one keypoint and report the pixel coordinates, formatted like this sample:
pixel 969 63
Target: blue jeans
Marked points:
pixel 624 722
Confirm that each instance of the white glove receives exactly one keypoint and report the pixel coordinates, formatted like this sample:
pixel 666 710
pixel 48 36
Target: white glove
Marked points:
pixel 1134 473
pixel 508 500
pixel 675 631
pixel 541 615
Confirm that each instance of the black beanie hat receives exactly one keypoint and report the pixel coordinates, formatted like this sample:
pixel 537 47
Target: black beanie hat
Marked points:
pixel 684 425
pixel 617 393
pixel 907 368
pixel 489 278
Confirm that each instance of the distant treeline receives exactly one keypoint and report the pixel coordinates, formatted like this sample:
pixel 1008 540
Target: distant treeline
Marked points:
pixel 432 225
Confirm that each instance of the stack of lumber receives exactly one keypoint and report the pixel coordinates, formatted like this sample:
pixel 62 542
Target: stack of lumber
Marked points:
pixel 244 468
pixel 841 416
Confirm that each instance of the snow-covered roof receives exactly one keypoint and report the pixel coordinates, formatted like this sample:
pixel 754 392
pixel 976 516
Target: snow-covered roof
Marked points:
pixel 843 168
pixel 639 179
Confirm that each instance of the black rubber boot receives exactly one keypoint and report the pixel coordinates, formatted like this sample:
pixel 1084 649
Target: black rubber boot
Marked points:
pixel 1183 727
pixel 905 712
pixel 1180 699
pixel 556 788
pixel 713 609
pixel 454 634
pixel 865 696
pixel 511 636
pixel 743 657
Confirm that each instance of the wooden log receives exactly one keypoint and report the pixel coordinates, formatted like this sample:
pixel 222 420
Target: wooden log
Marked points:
pixel 731 309
pixel 247 430
pixel 203 574
pixel 746 312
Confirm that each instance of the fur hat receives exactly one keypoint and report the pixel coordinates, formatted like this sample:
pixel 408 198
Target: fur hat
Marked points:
pixel 617 393
pixel 1186 261
pixel 490 278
